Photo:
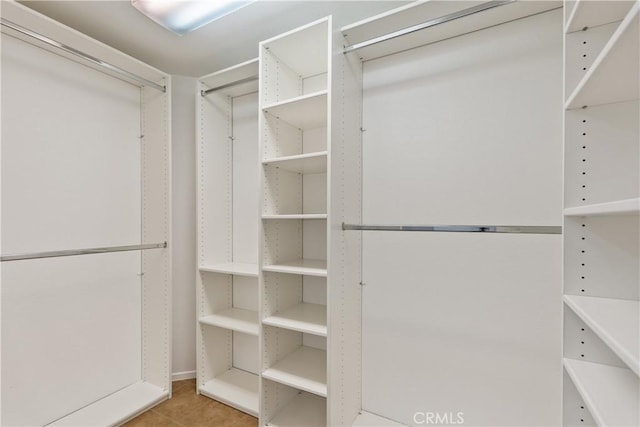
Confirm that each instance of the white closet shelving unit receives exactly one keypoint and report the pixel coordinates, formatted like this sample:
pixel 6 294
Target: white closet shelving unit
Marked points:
pixel 601 237
pixel 310 181
pixel 295 147
pixel 227 279
pixel 57 390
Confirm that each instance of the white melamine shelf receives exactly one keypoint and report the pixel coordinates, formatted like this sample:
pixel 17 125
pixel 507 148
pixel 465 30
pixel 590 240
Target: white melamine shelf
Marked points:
pixel 610 393
pixel 418 13
pixel 305 317
pixel 588 13
pixel 236 319
pixel 296 216
pixel 613 76
pixel 304 410
pixel 304 112
pixel 367 419
pixel 618 207
pixel 615 321
pixel 309 163
pixel 235 388
pixel 228 78
pixel 117 408
pixel 308 267
pixel 304 369
pixel 235 268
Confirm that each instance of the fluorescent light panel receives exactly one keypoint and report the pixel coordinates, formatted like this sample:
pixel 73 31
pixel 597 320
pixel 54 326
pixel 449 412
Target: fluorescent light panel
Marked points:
pixel 182 16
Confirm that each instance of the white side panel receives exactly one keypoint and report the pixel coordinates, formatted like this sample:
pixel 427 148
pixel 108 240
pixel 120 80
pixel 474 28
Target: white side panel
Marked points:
pixel 459 322
pixel 156 227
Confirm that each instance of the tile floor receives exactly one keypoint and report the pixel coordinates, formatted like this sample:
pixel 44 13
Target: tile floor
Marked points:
pixel 188 409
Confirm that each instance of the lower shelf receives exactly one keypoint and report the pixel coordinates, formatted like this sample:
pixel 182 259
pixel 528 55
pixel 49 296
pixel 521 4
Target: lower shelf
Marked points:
pixel 304 369
pixel 117 408
pixel 304 410
pixel 236 388
pixel 611 394
pixel 367 419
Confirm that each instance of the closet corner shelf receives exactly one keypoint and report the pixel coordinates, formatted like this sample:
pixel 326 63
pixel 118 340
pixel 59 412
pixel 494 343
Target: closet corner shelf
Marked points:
pixel 615 321
pixel 305 317
pixel 235 319
pixel 117 408
pixel 304 410
pixel 235 268
pixel 304 112
pixel 296 216
pixel 307 267
pixel 613 77
pixel 309 163
pixel 618 207
pixel 610 393
pixel 227 78
pixel 587 13
pixel 235 388
pixel 304 369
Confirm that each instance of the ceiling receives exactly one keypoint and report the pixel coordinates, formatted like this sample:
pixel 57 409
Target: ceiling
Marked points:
pixel 220 44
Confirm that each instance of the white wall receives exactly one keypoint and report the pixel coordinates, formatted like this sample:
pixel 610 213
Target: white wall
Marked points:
pixel 184 227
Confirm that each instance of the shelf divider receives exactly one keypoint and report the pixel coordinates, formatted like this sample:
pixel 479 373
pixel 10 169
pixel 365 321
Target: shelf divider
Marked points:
pixel 618 207
pixel 610 393
pixel 304 317
pixel 613 77
pixel 615 321
pixel 235 319
pixel 304 369
pixel 308 267
pixel 235 388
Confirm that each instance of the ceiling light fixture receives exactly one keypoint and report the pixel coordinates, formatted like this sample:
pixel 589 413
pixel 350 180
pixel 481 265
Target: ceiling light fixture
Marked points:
pixel 182 16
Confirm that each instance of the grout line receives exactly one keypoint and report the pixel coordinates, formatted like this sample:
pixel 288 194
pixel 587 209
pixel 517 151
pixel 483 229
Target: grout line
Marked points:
pixel 168 418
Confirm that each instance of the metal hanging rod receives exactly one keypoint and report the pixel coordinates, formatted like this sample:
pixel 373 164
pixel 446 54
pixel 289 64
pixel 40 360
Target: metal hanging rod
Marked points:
pixel 224 86
pixel 428 24
pixel 73 252
pixel 85 56
pixel 524 229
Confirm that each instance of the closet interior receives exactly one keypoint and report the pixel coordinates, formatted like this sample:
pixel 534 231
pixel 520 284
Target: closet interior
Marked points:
pixel 431 213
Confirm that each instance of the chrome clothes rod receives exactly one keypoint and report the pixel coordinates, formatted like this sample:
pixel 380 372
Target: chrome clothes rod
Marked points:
pixel 81 54
pixel 72 252
pixel 524 229
pixel 428 24
pixel 224 86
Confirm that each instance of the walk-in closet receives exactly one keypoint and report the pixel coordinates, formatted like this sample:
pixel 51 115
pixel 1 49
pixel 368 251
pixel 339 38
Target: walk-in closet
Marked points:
pixel 320 213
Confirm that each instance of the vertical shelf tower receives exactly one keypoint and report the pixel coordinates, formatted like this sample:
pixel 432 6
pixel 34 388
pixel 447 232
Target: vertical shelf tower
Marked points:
pixel 310 300
pixel 227 279
pixel 602 205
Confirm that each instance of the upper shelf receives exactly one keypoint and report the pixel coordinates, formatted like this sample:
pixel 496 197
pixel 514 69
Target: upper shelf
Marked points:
pixel 613 77
pixel 587 13
pixel 619 207
pixel 304 317
pixel 292 48
pixel 229 80
pixel 304 112
pixel 302 163
pixel 443 19
pixel 615 321
pixel 235 268
pixel 307 267
pixel 610 393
